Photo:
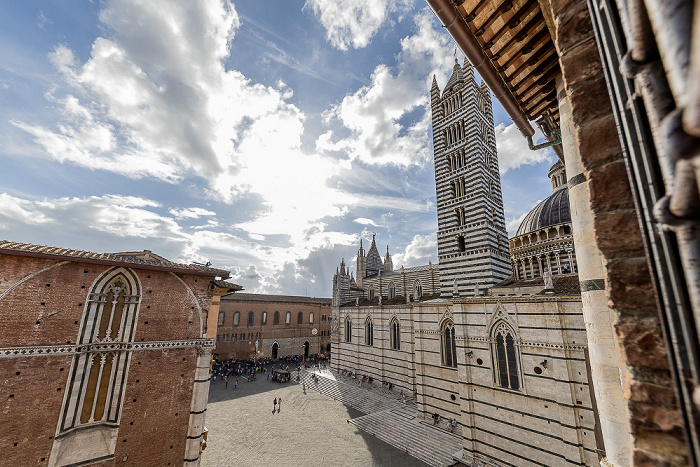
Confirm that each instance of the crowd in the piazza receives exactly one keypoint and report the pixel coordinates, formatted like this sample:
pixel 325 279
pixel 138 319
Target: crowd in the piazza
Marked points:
pixel 274 369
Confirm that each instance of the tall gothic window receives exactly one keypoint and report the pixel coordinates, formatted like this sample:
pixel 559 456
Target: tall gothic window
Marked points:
pixel 236 318
pixel 395 334
pixel 263 318
pixel 448 348
pixel 288 318
pixel 505 357
pixel 276 318
pixel 251 318
pixel 93 400
pixel 311 317
pixel 222 317
pixel 300 317
pixel 348 330
pixel 369 331
pixel 392 290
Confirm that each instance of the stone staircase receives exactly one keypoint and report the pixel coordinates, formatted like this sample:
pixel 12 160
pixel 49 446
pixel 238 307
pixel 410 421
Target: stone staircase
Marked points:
pixel 387 418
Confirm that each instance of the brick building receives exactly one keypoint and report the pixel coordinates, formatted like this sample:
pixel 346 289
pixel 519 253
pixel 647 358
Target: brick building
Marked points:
pixel 104 357
pixel 282 324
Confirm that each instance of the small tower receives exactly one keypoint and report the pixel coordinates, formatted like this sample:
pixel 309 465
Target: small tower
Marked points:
pixel 361 265
pixel 388 263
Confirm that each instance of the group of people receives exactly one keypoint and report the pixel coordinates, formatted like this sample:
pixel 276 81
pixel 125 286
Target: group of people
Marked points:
pixel 452 423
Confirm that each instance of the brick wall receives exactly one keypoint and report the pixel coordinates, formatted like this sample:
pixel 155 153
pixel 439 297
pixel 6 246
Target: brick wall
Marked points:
pixel 47 309
pixel 655 420
pixel 270 332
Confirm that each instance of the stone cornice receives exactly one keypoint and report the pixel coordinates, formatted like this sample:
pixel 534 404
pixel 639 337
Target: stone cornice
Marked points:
pixel 68 349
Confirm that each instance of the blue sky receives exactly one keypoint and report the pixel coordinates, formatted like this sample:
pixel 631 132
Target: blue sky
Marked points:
pixel 265 137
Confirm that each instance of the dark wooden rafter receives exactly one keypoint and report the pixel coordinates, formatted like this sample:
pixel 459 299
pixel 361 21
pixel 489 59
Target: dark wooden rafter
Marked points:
pixel 521 15
pixel 514 35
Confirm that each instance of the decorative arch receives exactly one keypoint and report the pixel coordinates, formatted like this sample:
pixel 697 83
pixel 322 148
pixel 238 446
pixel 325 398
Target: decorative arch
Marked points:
pixel 93 400
pixel 505 355
pixel 417 289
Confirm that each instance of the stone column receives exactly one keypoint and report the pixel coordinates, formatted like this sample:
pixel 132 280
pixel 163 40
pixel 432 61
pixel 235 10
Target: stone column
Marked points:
pixel 556 255
pixel 605 369
pixel 198 407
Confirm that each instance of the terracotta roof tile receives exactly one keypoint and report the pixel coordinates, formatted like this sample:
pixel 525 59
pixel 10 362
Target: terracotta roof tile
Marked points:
pixel 28 249
pixel 253 297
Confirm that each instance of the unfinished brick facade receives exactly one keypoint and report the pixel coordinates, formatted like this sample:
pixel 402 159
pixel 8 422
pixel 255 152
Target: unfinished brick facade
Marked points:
pixel 44 297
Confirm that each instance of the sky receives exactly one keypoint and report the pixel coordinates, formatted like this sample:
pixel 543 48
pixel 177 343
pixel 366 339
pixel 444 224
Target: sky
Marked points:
pixel 267 138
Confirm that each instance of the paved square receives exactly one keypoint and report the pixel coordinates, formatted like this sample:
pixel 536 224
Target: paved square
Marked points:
pixel 310 429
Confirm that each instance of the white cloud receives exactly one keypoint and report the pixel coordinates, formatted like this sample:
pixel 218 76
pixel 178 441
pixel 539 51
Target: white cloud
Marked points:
pixel 419 251
pixel 353 23
pixel 513 150
pixel 374 113
pixel 190 213
pixel 365 221
pixel 158 102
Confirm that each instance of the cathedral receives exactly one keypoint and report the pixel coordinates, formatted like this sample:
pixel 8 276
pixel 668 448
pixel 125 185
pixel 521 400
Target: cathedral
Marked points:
pixel 492 336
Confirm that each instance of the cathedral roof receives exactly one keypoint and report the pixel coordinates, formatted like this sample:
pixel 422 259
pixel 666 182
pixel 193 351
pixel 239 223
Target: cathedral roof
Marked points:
pixel 552 211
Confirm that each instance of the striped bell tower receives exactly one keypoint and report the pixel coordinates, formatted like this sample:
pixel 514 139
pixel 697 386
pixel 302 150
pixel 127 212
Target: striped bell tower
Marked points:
pixel 472 239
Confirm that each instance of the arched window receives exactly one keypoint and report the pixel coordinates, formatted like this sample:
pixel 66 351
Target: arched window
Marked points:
pixel 369 331
pixel 263 318
pixel 96 381
pixel 505 357
pixel 395 334
pixel 348 330
pixel 392 290
pixel 236 318
pixel 447 344
pixel 300 317
pixel 276 318
pixel 418 290
pixel 311 317
pixel 370 293
pixel 222 316
pixel 288 318
pixel 251 318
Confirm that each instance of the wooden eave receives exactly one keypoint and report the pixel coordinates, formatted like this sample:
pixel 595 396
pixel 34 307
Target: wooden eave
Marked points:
pixel 515 36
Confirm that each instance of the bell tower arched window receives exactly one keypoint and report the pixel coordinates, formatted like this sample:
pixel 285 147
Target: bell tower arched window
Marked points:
pixel 448 348
pixel 505 357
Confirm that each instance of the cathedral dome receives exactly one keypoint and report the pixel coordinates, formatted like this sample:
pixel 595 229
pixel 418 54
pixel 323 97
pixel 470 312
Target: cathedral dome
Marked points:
pixel 552 211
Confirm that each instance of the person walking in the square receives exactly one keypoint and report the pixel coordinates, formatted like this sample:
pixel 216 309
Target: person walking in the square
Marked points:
pixel 274 405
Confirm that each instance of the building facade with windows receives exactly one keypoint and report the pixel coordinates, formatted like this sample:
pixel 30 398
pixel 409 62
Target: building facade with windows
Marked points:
pixel 105 357
pixel 282 325
pixel 504 356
